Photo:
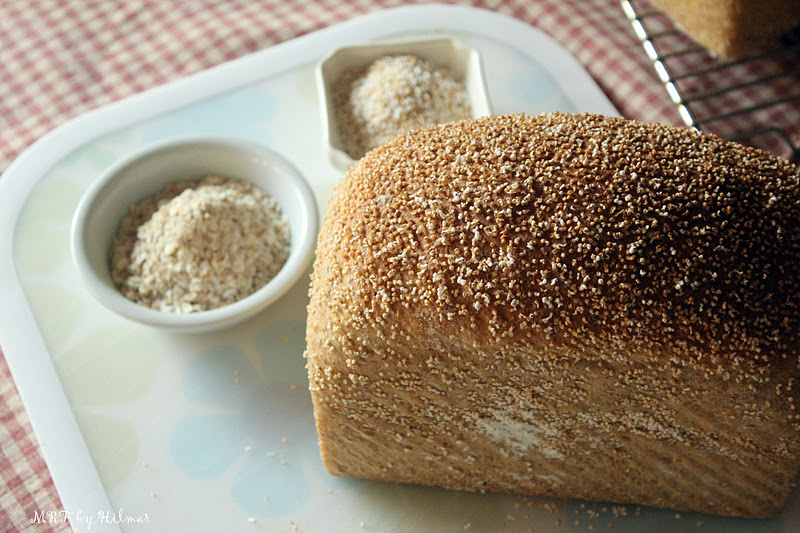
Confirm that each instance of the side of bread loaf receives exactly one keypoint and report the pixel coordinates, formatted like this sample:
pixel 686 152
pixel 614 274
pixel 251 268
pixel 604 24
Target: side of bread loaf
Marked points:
pixel 565 305
pixel 733 28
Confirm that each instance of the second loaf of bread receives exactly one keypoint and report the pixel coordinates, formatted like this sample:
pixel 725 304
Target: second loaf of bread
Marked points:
pixel 566 305
pixel 733 28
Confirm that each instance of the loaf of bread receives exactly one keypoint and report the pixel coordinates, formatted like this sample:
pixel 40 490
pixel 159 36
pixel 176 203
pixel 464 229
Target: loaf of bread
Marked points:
pixel 573 306
pixel 733 28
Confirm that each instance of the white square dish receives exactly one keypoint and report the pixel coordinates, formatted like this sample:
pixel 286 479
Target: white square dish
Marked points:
pixel 462 62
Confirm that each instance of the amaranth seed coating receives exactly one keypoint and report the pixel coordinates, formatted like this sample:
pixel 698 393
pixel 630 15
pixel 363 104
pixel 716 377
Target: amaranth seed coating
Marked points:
pixel 538 302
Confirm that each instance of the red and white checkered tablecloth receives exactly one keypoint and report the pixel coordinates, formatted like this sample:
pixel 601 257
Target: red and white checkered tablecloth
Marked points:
pixel 61 58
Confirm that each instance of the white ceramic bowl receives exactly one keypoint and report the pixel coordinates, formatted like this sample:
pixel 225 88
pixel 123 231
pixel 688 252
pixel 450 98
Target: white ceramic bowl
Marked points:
pixel 463 62
pixel 146 173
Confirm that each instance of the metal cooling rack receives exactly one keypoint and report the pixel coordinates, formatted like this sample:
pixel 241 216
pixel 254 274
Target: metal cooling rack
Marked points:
pixel 755 100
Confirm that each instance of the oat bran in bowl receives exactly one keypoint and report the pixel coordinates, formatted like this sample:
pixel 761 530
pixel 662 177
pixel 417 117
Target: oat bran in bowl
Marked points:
pixel 194 234
pixel 373 91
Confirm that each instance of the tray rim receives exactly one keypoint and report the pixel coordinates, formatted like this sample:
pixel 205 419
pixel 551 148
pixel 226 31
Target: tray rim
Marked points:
pixel 61 442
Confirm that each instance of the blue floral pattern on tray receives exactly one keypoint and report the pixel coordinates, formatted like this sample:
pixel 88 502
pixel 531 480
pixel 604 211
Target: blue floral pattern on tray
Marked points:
pixel 256 413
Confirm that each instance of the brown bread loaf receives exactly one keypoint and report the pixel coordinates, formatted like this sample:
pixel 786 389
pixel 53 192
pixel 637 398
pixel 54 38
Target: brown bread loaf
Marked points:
pixel 565 305
pixel 733 28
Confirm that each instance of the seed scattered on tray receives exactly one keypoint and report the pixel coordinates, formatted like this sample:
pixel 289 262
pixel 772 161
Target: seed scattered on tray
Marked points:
pixel 197 246
pixel 392 95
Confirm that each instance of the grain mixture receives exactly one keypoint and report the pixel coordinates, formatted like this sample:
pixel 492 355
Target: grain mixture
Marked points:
pixel 199 245
pixel 392 95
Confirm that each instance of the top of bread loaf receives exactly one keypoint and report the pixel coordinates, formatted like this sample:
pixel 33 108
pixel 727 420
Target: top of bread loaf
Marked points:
pixel 573 232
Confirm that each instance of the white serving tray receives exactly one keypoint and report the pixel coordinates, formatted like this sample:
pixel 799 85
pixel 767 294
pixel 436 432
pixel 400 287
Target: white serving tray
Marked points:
pixel 215 432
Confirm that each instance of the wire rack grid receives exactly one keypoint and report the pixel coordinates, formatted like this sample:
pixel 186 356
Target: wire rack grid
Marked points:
pixel 754 100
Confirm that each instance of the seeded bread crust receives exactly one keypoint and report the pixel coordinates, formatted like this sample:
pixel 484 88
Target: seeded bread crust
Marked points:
pixel 565 305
